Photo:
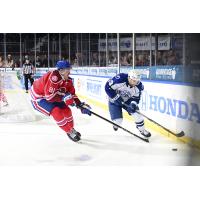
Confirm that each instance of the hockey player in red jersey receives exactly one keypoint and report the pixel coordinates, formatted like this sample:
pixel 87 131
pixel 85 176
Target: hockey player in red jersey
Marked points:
pixel 3 98
pixel 53 93
pixel 2 93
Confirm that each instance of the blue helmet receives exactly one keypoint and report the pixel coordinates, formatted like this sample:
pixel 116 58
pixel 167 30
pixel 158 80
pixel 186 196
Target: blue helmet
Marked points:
pixel 61 64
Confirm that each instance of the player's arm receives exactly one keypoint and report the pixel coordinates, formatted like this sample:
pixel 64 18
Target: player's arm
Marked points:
pixel 111 87
pixel 140 86
pixel 85 108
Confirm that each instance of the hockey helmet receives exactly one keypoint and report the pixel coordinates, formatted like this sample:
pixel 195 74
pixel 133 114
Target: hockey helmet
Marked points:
pixel 63 65
pixel 133 75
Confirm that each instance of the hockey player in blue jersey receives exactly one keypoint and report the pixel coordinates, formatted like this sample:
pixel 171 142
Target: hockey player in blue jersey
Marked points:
pixel 124 92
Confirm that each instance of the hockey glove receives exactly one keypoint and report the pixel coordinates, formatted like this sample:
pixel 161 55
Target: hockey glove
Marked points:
pixel 68 99
pixel 132 107
pixel 85 108
pixel 117 100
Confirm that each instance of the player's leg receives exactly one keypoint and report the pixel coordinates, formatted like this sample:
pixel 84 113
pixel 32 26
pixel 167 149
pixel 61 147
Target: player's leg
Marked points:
pixel 64 121
pixel 115 114
pixel 43 106
pixel 139 121
pixel 26 82
pixel 63 116
pixel 31 79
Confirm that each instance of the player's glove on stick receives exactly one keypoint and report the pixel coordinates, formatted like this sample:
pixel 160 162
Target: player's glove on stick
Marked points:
pixel 85 108
pixel 68 99
pixel 132 107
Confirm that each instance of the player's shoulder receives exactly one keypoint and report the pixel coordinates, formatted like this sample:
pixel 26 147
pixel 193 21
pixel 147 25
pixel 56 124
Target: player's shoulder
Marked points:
pixel 121 77
pixel 55 77
pixel 70 81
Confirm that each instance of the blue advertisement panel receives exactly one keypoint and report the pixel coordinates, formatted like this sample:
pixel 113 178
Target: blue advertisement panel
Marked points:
pixel 169 73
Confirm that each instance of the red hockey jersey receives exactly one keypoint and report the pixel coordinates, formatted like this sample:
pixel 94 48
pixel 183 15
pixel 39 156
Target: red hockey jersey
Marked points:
pixel 52 87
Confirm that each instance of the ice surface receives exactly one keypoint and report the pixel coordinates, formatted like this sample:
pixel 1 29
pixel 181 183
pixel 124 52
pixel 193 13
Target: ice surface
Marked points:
pixel 41 142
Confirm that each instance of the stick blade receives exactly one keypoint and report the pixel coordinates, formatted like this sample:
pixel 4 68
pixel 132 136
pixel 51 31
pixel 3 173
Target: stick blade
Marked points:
pixel 181 134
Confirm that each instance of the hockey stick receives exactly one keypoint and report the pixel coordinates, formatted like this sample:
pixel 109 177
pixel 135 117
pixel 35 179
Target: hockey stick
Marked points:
pixel 144 139
pixel 180 134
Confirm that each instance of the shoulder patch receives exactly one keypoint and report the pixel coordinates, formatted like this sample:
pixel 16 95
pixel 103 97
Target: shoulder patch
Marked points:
pixel 54 78
pixel 117 77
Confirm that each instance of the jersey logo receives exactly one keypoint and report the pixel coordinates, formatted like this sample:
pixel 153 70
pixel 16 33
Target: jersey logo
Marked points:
pixel 54 78
pixel 125 94
pixel 51 90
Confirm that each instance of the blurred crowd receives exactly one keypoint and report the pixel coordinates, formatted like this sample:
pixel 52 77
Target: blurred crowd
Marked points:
pixel 13 63
pixel 98 59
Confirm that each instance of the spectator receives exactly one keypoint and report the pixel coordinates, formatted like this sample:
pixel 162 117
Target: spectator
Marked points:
pixel 37 63
pixel 172 59
pixel 146 59
pixel 159 58
pixel 75 62
pixel 9 62
pixel 16 65
pixel 45 62
pixel 140 60
pixel 124 60
pixel 102 59
pixel 165 58
pixel 1 62
pixel 130 59
pixel 94 60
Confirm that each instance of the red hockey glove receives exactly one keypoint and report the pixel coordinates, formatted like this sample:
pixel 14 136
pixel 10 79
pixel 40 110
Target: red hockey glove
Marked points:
pixel 68 99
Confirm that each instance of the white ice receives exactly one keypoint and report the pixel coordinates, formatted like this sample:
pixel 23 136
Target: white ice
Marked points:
pixel 29 138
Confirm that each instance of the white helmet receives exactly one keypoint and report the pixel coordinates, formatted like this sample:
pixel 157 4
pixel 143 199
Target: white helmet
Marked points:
pixel 133 75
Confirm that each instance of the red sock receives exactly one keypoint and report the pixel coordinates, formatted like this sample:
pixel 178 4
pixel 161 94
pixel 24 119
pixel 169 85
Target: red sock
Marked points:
pixel 63 118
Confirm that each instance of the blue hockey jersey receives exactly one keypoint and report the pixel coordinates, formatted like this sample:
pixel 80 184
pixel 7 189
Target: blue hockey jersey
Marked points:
pixel 118 85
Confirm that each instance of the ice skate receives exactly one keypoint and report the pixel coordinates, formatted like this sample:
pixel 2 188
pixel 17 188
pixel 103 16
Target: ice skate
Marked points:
pixel 74 135
pixel 145 133
pixel 5 104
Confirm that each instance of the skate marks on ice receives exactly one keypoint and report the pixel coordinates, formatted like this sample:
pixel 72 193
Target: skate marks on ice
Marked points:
pixel 19 108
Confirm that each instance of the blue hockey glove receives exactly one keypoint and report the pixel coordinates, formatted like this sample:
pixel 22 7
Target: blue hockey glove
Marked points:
pixel 132 107
pixel 117 100
pixel 85 108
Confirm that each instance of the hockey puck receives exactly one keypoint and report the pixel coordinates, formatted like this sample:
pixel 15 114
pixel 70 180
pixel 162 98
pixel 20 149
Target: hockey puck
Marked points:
pixel 174 149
